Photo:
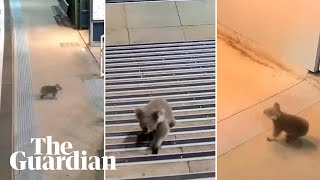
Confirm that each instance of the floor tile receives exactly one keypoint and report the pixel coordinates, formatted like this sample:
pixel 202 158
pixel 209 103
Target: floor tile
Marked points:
pixel 146 15
pixel 117 37
pixel 202 32
pixel 196 12
pixel 115 16
pixel 155 35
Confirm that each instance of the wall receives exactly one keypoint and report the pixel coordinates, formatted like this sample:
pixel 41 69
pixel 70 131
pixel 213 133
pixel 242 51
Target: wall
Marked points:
pixel 290 30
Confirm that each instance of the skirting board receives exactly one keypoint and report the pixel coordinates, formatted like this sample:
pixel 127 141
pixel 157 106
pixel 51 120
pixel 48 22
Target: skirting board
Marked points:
pixel 257 52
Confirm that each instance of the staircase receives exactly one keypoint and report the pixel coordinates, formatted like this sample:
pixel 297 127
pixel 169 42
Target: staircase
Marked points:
pixel 184 74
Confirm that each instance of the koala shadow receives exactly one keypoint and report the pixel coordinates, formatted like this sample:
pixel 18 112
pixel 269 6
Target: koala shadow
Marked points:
pixel 46 98
pixel 307 143
pixel 134 139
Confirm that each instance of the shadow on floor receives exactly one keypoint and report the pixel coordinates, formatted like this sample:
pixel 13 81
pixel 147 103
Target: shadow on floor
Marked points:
pixel 308 143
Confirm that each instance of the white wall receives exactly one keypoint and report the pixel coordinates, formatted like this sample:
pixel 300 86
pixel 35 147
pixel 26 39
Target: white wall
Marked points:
pixel 290 29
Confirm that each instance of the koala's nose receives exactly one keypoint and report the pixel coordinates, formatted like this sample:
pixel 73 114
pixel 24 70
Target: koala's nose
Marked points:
pixel 145 130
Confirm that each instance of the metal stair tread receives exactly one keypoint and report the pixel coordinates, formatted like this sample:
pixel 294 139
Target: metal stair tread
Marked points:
pixel 182 73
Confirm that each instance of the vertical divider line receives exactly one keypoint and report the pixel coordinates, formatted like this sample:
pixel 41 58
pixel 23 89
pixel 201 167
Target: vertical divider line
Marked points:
pixel 104 86
pixel 216 80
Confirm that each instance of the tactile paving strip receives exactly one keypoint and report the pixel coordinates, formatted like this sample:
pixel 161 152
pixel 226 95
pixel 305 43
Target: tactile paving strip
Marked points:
pixel 184 74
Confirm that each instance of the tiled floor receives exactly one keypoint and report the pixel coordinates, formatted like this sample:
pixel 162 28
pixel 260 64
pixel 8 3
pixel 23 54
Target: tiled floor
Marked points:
pixel 159 22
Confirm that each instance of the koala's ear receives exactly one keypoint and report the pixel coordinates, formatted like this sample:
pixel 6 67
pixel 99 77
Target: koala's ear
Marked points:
pixel 158 115
pixel 139 113
pixel 276 106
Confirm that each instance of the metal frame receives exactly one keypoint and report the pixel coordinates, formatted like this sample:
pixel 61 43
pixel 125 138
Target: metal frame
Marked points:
pixel 176 131
pixel 166 158
pixel 177 143
pixel 317 61
pixel 84 15
pixel 91 28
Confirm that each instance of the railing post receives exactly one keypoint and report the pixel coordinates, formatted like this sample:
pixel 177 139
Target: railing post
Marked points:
pixel 102 56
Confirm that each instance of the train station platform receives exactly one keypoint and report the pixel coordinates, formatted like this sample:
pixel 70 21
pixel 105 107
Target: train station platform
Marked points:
pixel 45 53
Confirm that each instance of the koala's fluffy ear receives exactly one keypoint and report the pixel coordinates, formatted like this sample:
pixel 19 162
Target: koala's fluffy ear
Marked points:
pixel 139 113
pixel 277 111
pixel 276 106
pixel 158 115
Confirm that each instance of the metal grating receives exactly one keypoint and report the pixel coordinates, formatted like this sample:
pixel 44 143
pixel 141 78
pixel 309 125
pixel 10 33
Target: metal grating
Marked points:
pixel 181 72
pixel 26 123
pixel 95 89
pixel 60 14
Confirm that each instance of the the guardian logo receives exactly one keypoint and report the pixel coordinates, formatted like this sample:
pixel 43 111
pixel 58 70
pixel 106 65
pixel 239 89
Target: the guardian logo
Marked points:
pixel 59 156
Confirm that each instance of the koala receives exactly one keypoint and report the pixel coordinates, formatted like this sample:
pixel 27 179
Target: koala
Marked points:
pixel 294 126
pixel 156 120
pixel 46 90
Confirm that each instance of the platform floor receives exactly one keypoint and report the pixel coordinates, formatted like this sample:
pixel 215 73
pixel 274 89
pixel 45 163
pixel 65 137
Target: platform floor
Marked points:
pixel 72 116
pixel 6 100
pixel 137 23
pixel 245 89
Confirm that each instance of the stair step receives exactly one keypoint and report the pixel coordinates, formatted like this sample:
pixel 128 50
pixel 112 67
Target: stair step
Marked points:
pixel 165 144
pixel 165 158
pixel 184 74
pixel 174 131
pixel 201 176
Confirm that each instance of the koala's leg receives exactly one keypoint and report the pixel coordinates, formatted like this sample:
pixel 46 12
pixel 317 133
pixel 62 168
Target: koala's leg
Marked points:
pixel 54 95
pixel 142 137
pixel 276 133
pixel 156 143
pixel 160 134
pixel 172 123
pixel 292 137
pixel 42 96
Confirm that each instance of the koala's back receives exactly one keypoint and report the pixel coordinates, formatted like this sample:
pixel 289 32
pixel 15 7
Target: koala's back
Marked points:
pixel 158 104
pixel 292 124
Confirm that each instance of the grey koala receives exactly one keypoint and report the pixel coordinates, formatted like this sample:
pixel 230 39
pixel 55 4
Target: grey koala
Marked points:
pixel 156 120
pixel 53 90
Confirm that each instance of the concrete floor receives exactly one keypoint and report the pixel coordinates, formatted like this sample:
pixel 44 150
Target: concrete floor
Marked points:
pixel 95 51
pixel 243 82
pixel 243 151
pixel 136 23
pixel 70 117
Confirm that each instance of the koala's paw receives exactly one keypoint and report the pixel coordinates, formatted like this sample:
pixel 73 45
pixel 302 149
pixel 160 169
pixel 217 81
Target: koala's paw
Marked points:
pixel 155 151
pixel 270 139
pixel 171 124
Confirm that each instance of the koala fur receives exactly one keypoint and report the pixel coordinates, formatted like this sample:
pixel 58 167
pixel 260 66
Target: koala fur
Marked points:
pixel 294 126
pixel 156 120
